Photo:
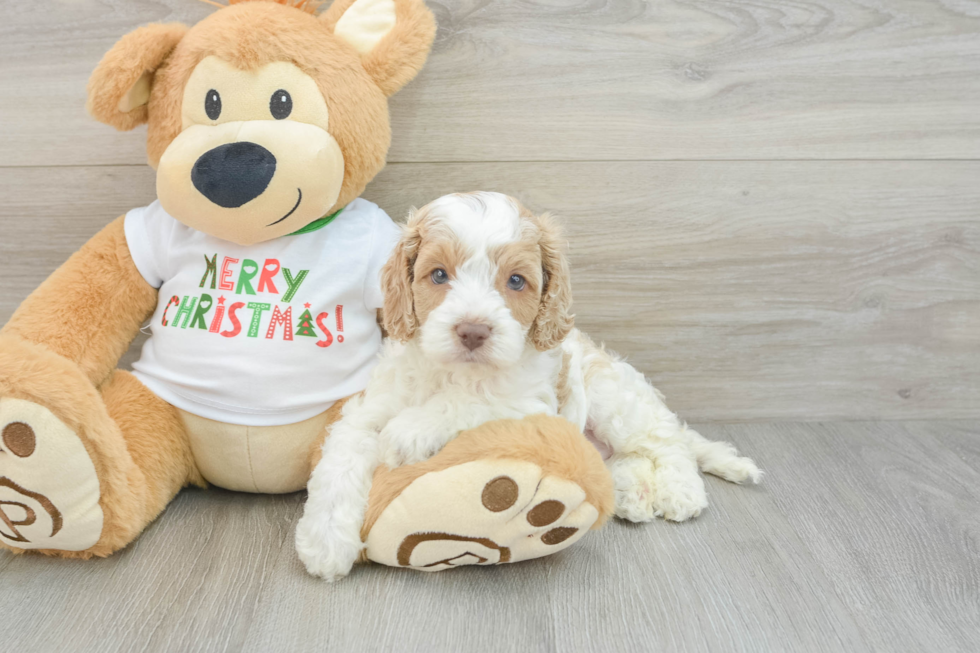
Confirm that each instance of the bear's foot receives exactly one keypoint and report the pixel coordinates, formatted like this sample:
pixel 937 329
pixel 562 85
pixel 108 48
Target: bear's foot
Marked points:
pixel 49 489
pixel 499 511
pixel 506 491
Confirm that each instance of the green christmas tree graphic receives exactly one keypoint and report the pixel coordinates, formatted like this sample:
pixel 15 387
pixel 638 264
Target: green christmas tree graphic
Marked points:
pixel 306 325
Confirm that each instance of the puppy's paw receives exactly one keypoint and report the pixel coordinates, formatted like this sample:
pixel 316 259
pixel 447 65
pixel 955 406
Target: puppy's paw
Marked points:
pixel 680 507
pixel 645 491
pixel 633 483
pixel 634 504
pixel 678 495
pixel 327 547
pixel 413 436
pixel 408 452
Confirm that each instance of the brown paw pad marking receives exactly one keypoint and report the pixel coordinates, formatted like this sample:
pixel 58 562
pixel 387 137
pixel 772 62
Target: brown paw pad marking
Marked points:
pixel 409 543
pixel 18 439
pixel 499 494
pixel 26 515
pixel 546 512
pixel 558 535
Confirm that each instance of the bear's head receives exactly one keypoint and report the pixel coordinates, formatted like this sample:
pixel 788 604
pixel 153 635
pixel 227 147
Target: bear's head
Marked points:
pixel 264 118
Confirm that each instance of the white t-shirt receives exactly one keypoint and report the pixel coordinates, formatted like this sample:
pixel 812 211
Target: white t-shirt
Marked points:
pixel 264 334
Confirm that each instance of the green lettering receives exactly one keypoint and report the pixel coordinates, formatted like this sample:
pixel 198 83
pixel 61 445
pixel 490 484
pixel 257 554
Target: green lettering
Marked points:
pixel 293 284
pixel 249 269
pixel 185 310
pixel 257 310
pixel 212 270
pixel 202 309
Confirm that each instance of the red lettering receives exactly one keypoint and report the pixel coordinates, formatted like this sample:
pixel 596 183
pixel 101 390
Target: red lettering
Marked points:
pixel 266 279
pixel 236 325
pixel 328 337
pixel 225 283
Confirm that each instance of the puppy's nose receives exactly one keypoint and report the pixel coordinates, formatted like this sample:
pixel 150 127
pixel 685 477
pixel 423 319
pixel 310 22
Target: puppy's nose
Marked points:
pixel 234 173
pixel 473 335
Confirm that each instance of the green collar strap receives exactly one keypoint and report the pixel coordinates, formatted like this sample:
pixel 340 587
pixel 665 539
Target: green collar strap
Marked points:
pixel 319 223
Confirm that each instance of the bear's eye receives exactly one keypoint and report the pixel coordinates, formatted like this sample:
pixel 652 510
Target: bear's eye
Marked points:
pixel 516 282
pixel 212 104
pixel 281 105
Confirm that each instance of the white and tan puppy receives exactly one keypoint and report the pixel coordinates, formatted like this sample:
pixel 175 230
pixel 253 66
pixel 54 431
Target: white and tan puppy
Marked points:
pixel 477 307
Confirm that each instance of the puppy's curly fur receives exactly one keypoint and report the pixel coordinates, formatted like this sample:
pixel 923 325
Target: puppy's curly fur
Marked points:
pixel 482 259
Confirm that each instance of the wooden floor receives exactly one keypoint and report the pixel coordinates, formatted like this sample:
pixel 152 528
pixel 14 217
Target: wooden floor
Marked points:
pixel 773 210
pixel 863 537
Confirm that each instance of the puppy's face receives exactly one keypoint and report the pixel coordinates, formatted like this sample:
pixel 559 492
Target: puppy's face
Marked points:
pixel 476 278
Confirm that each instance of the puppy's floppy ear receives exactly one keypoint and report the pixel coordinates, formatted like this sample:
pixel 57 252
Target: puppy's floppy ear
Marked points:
pixel 400 321
pixel 119 89
pixel 393 37
pixel 554 319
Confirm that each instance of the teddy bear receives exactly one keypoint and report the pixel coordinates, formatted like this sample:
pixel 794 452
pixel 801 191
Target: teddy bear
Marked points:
pixel 256 269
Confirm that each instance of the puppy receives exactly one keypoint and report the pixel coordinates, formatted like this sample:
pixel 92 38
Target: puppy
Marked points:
pixel 477 307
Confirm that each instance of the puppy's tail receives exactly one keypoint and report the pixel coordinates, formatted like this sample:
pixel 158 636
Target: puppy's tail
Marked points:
pixel 722 459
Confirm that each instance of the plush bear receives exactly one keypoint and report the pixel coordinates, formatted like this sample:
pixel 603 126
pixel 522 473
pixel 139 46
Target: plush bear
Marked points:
pixel 257 268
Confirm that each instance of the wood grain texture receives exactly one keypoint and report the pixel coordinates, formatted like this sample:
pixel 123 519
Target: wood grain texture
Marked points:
pixel 894 525
pixel 862 537
pixel 746 291
pixel 580 80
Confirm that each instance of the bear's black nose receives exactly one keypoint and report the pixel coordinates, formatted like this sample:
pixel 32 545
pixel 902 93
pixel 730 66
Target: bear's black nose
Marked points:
pixel 235 173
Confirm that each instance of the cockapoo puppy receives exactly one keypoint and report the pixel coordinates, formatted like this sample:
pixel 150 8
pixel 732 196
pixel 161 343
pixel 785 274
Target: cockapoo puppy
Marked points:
pixel 477 307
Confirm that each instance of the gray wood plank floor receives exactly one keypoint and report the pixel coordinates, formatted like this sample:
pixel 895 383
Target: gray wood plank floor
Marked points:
pixel 864 536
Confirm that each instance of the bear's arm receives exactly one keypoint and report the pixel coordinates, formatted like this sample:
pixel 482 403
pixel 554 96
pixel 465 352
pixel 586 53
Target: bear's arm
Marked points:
pixel 91 308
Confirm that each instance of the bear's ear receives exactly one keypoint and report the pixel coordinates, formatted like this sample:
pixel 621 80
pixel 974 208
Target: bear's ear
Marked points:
pixel 393 37
pixel 119 89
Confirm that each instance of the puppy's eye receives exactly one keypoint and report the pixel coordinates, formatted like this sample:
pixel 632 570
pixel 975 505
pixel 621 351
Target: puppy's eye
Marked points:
pixel 516 282
pixel 212 104
pixel 439 276
pixel 281 104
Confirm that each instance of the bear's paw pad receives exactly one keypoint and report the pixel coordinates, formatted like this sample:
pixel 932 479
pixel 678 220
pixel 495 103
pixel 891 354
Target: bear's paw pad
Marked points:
pixel 480 513
pixel 49 490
